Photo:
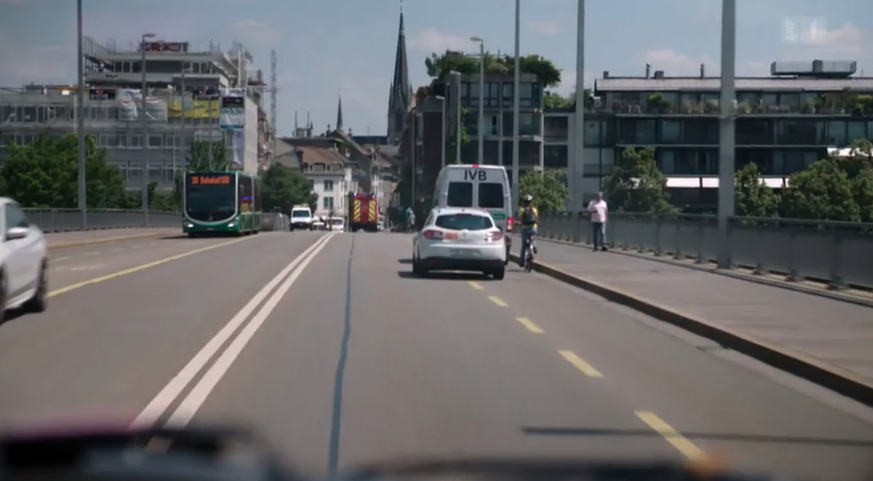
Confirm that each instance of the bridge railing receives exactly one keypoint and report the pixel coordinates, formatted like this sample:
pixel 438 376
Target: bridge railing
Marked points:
pixel 63 220
pixel 840 253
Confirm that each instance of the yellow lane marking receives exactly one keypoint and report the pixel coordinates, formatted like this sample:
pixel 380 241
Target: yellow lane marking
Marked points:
pixel 142 267
pixel 476 285
pixel 678 441
pixel 498 301
pixel 579 364
pixel 92 253
pixel 530 325
pixel 93 267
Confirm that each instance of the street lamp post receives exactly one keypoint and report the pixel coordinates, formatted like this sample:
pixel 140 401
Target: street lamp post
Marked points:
pixel 577 163
pixel 727 147
pixel 80 115
pixel 443 130
pixel 145 125
pixel 182 120
pixel 479 131
pixel 458 119
pixel 516 101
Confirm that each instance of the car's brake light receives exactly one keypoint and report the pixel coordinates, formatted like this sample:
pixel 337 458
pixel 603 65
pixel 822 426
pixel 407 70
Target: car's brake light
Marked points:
pixel 509 224
pixel 495 236
pixel 432 235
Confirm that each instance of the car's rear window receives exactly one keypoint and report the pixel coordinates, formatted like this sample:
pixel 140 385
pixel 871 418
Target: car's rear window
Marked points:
pixel 463 222
pixel 460 194
pixel 490 195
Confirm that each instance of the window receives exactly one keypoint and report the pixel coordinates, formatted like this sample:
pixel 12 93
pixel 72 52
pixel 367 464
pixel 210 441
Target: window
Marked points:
pixel 754 132
pixel 528 124
pixel 507 94
pixel 837 133
pixel 328 186
pixel 555 156
pixel 856 130
pixel 592 133
pixel 460 194
pixel 327 203
pixel 493 95
pixel 474 94
pixel 525 95
pixel 797 132
pixel 15 217
pixel 156 141
pixel 464 222
pixel 637 131
pixel 491 195
pixel 671 132
pixel 700 131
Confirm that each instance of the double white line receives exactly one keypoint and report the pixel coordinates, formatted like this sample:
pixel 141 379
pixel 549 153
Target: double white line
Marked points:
pixel 197 395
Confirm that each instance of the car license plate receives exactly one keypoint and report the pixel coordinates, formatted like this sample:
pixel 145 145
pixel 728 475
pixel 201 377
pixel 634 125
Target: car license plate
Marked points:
pixel 465 252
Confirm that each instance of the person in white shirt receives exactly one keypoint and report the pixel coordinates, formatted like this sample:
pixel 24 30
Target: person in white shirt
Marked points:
pixel 597 209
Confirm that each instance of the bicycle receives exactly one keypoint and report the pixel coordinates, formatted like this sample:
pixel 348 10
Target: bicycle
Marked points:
pixel 529 258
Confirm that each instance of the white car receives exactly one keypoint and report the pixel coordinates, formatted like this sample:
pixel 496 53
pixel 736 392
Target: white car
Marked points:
pixel 23 261
pixel 459 239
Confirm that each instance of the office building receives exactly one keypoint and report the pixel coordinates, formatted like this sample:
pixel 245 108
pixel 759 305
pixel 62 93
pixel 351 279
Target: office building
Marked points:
pixel 784 123
pixel 183 104
pixel 437 108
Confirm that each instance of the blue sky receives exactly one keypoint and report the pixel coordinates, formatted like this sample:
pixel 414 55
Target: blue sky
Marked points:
pixel 328 46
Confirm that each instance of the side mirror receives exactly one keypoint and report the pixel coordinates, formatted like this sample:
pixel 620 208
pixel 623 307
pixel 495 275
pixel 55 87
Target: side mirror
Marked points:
pixel 17 233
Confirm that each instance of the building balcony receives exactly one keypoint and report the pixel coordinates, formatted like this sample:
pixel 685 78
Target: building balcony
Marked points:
pixel 740 109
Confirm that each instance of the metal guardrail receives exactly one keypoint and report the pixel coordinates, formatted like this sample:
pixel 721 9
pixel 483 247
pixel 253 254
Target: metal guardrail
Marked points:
pixel 839 253
pixel 64 220
pixel 272 221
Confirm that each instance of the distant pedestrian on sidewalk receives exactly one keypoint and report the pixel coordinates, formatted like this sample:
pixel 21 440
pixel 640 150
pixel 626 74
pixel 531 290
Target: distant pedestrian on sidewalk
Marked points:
pixel 597 210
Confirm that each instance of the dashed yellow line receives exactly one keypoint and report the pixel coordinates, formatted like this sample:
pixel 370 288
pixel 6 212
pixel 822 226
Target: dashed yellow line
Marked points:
pixel 578 363
pixel 498 301
pixel 530 325
pixel 678 441
pixel 476 285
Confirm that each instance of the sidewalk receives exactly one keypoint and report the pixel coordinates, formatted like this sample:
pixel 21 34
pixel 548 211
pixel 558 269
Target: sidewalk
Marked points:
pixel 59 239
pixel 832 331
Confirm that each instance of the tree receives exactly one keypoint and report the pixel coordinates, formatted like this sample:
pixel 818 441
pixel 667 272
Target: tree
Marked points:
pixel 284 187
pixel 822 191
pixel 440 65
pixel 45 174
pixel 198 157
pixel 636 184
pixel 547 188
pixel 535 64
pixel 754 198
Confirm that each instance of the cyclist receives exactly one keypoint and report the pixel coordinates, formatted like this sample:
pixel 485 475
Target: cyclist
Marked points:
pixel 529 218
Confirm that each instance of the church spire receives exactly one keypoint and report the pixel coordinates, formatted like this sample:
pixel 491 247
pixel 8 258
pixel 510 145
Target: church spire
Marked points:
pixel 399 99
pixel 339 112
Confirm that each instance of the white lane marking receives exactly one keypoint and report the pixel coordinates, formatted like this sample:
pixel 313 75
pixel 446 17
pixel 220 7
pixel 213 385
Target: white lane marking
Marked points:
pixel 171 391
pixel 198 394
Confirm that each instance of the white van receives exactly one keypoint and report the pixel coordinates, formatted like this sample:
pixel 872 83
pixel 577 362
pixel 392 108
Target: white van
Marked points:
pixel 301 217
pixel 483 186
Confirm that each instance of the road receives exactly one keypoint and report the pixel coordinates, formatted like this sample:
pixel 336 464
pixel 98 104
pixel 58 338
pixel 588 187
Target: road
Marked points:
pixel 357 360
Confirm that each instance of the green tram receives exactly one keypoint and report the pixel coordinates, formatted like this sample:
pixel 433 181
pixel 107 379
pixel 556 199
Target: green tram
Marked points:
pixel 221 203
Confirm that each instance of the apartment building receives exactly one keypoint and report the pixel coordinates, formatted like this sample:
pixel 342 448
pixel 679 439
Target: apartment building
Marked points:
pixel 784 123
pixel 437 108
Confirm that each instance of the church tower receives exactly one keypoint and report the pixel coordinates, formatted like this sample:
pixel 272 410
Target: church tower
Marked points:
pixel 400 96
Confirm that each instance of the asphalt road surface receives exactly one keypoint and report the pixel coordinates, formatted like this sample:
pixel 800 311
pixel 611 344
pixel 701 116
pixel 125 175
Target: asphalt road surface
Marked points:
pixel 328 346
